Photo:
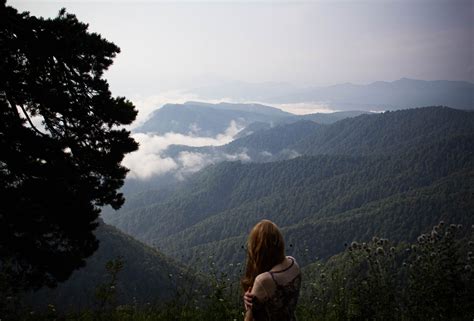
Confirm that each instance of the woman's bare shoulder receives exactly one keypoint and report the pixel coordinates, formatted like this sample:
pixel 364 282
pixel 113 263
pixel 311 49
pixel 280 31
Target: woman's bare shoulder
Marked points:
pixel 263 277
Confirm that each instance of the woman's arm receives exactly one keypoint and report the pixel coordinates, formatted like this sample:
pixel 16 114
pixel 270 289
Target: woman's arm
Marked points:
pixel 248 298
pixel 248 315
pixel 257 292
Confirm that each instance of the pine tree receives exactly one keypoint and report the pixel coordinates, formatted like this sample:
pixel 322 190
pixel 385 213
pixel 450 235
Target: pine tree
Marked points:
pixel 61 144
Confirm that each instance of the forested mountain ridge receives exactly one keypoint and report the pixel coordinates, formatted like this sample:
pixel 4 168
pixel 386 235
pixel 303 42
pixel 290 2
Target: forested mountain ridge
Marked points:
pixel 207 120
pixel 265 145
pixel 147 276
pixel 387 161
pixel 384 133
pixel 387 133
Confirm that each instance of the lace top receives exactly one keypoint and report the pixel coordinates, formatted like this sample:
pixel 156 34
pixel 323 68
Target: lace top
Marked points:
pixel 276 293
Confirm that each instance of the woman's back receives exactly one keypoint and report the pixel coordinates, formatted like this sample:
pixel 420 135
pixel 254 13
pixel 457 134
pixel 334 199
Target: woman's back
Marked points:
pixel 276 292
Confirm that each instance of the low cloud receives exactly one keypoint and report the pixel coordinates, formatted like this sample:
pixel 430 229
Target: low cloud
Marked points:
pixel 150 161
pixel 191 162
pixel 289 153
pixel 306 108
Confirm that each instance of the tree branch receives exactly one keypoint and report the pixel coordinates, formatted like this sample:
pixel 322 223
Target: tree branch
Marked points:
pixel 30 122
pixel 15 110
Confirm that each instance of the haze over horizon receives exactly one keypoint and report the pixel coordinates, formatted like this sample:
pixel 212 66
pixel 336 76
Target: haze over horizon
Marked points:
pixel 169 47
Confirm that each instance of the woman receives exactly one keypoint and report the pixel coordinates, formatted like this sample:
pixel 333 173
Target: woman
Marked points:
pixel 272 280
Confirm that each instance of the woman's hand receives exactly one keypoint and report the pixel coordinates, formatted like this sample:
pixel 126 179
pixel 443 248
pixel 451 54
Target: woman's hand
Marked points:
pixel 248 298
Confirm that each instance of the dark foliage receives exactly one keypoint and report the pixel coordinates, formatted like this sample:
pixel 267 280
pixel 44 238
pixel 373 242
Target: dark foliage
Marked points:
pixel 55 175
pixel 145 276
pixel 429 279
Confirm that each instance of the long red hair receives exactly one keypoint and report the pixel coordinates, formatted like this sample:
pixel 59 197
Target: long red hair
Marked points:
pixel 265 249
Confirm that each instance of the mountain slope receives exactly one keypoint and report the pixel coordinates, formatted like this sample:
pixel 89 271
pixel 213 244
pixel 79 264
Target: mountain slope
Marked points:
pixel 367 134
pixel 145 276
pixel 207 120
pixel 387 133
pixel 418 158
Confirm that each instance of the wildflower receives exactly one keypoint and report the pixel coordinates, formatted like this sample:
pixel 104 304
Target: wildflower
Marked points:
pixel 441 223
pixel 112 287
pixel 459 226
pixel 392 249
pixel 375 239
pixel 380 251
pixel 452 226
pixel 471 243
pixel 468 268
pixel 354 245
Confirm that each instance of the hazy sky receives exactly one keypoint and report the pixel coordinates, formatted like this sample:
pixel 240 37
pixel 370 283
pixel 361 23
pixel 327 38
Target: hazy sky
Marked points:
pixel 170 45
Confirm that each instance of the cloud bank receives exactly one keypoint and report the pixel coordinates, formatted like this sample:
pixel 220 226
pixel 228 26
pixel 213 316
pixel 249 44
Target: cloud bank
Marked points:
pixel 149 160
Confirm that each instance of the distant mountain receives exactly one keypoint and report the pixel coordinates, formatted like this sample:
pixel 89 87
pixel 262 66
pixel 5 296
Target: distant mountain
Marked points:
pixel 209 120
pixel 380 95
pixel 399 94
pixel 320 118
pixel 393 174
pixel 326 118
pixel 387 133
pixel 263 145
pixel 252 128
pixel 250 108
pixel 362 135
pixel 147 275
